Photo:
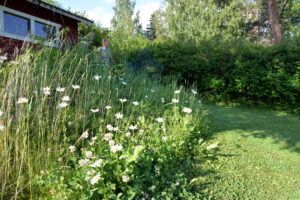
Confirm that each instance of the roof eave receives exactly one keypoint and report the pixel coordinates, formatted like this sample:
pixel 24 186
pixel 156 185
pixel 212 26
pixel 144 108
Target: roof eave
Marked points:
pixel 61 11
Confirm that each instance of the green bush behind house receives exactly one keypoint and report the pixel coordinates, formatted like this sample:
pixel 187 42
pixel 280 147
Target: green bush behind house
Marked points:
pixel 232 71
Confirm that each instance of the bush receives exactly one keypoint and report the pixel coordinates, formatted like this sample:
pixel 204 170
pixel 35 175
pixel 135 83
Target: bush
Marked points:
pixel 237 70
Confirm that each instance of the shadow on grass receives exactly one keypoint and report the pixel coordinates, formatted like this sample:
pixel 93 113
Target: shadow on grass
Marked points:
pixel 282 127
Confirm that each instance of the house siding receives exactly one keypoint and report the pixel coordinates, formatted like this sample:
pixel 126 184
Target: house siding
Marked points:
pixel 8 45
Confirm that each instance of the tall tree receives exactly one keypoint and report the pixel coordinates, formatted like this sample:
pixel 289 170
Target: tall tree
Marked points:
pixel 151 32
pixel 159 23
pixel 138 29
pixel 274 21
pixel 194 20
pixel 122 22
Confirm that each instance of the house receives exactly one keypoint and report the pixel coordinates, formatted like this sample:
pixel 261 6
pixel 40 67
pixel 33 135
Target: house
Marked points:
pixel 24 20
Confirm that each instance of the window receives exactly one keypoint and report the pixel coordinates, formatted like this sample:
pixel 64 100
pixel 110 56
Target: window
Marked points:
pixel 44 31
pixel 16 25
pixel 22 26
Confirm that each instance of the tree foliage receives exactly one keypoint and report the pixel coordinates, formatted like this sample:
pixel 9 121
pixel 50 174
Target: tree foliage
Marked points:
pixel 122 22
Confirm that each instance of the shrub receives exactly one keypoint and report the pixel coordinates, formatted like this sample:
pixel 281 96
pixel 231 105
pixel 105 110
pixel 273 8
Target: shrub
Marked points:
pixel 237 70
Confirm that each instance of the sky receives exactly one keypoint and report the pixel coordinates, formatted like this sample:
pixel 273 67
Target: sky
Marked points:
pixel 101 10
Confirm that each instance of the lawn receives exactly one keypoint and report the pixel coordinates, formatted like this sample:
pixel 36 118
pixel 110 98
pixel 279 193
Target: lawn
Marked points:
pixel 258 156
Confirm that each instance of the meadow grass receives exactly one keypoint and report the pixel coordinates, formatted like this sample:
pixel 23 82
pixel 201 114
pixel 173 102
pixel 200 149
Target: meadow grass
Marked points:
pixel 258 157
pixel 71 129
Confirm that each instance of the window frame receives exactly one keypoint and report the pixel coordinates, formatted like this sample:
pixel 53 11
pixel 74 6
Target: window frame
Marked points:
pixel 32 20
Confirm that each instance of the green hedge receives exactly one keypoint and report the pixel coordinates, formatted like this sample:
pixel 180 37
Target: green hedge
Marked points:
pixel 241 71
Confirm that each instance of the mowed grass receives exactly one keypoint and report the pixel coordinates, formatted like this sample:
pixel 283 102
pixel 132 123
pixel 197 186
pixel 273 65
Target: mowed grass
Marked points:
pixel 258 157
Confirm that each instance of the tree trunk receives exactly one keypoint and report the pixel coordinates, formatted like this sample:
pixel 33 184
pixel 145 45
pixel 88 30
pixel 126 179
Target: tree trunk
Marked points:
pixel 274 21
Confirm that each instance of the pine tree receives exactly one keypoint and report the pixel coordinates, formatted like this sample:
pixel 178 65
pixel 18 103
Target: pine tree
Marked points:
pixel 150 30
pixel 122 22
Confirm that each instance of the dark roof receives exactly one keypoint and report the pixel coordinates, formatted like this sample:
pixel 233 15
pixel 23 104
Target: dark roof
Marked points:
pixel 60 11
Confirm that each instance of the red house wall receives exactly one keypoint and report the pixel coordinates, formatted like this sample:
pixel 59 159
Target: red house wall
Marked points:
pixel 8 45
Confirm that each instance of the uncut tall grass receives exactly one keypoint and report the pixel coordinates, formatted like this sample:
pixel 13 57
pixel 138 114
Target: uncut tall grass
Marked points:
pixel 38 133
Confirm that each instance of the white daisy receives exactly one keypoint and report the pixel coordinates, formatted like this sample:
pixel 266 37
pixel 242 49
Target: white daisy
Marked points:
pixel 46 90
pixel 128 134
pixel 165 138
pixel 95 179
pixel 63 105
pixel 125 178
pixel 116 148
pixel 116 128
pixel 1 113
pixel 160 120
pixel 111 142
pixel 194 92
pixel 187 110
pixel 119 116
pixel 35 92
pixel 96 77
pixel 109 127
pixel 22 100
pixel 65 98
pixel 89 154
pixel 72 148
pixel 175 100
pixel 97 163
pixel 1 128
pixel 135 103
pixel 90 172
pixel 108 136
pixel 85 134
pixel 107 107
pixel 124 83
pixel 152 91
pixel 75 87
pixel 141 132
pixel 131 127
pixel 94 110
pixel 59 89
pixel 177 91
pixel 163 100
pixel 83 162
pixel 123 100
pixel 94 138
pixel 146 96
